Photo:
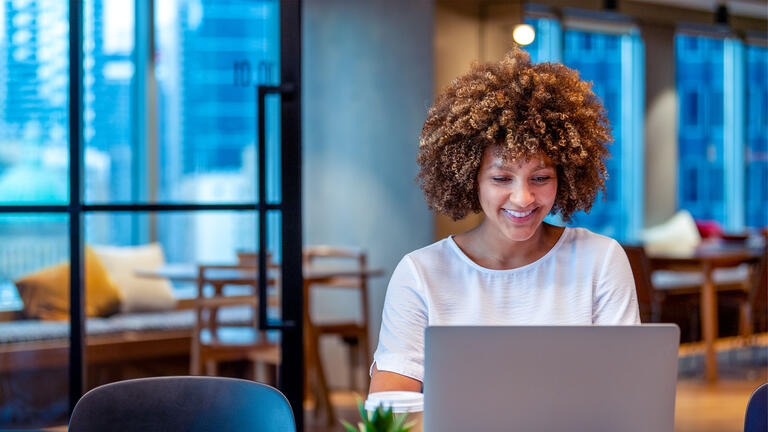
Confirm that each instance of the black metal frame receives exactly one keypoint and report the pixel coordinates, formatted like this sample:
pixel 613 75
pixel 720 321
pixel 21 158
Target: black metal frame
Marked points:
pixel 291 379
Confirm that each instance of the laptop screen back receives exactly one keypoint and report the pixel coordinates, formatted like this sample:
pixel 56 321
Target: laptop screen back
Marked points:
pixel 592 378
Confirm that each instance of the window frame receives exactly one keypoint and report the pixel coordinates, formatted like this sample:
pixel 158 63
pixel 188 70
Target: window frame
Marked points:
pixel 289 205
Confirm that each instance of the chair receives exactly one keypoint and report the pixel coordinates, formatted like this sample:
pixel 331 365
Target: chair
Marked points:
pixel 650 299
pixel 353 333
pixel 756 418
pixel 216 339
pixel 653 301
pixel 751 303
pixel 183 403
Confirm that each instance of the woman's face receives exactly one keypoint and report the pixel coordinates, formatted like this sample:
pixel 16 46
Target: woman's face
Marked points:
pixel 516 196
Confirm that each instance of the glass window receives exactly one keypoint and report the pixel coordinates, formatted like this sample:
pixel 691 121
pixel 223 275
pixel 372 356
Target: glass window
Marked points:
pixel 34 86
pixel 210 56
pixel 546 46
pixel 700 137
pixel 108 72
pixel 611 62
pixel 711 132
pixel 757 135
pixel 34 382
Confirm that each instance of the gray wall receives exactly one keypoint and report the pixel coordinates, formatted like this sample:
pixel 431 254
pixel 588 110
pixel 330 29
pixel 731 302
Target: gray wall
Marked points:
pixel 660 123
pixel 367 84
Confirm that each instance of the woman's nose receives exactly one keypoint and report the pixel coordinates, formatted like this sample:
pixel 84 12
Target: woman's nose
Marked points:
pixel 521 196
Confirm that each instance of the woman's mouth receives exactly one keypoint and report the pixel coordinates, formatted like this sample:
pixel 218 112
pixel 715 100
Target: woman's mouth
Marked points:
pixel 520 217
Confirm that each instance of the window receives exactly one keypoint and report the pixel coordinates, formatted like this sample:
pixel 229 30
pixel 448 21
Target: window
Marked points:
pixel 547 45
pixel 757 136
pixel 613 62
pixel 169 151
pixel 711 133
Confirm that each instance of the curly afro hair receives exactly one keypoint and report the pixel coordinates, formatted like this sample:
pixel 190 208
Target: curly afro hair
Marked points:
pixel 526 109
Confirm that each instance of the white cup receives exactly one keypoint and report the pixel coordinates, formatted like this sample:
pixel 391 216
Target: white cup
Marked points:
pixel 401 402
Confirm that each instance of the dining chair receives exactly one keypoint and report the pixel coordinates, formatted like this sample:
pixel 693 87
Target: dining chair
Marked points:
pixel 752 303
pixel 651 300
pixel 354 333
pixel 756 418
pixel 216 338
pixel 183 403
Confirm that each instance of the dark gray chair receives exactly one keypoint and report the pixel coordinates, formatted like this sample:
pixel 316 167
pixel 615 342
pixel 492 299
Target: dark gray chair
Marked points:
pixel 183 403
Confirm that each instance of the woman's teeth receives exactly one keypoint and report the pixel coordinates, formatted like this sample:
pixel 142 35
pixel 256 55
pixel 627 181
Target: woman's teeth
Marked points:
pixel 519 214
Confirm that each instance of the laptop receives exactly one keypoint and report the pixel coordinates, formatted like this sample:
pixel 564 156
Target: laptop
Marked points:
pixel 553 378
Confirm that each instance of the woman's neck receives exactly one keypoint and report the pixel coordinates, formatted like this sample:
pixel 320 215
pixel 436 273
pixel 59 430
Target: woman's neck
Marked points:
pixel 486 248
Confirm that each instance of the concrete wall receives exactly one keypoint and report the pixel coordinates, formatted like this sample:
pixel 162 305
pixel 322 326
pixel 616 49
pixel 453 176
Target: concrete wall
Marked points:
pixel 367 84
pixel 660 123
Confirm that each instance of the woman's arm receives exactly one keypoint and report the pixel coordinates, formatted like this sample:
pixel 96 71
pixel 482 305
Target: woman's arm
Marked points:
pixel 389 381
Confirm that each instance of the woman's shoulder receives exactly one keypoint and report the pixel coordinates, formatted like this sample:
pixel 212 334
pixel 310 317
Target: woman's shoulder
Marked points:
pixel 583 240
pixel 439 250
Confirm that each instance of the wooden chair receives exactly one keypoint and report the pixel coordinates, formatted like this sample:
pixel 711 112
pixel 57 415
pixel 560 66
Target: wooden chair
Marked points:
pixel 353 333
pixel 650 300
pixel 752 304
pixel 657 305
pixel 214 340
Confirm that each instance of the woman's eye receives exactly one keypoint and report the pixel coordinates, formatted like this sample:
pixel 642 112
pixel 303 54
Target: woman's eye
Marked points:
pixel 541 179
pixel 500 179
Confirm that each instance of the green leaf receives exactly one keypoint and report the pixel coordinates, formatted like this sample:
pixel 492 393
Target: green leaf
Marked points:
pixel 348 427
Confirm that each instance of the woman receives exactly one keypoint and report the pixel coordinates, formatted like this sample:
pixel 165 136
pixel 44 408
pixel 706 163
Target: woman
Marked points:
pixel 516 141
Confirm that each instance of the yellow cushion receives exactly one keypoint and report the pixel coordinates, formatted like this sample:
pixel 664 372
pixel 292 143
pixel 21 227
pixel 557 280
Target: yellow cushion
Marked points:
pixel 45 293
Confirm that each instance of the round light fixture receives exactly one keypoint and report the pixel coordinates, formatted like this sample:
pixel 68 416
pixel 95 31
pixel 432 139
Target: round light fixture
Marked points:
pixel 523 34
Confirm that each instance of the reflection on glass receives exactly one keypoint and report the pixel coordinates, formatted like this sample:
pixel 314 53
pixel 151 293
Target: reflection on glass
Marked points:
pixel 699 63
pixel 210 56
pixel 34 87
pixel 34 351
pixel 757 135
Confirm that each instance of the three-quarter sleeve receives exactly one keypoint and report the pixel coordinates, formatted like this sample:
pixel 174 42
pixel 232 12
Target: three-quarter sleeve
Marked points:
pixel 403 321
pixel 615 301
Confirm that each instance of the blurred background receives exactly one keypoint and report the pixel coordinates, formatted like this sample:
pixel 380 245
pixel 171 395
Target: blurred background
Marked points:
pixel 168 115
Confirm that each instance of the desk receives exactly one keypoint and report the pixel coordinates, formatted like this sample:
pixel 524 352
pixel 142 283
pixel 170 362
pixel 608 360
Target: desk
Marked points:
pixel 706 258
pixel 234 276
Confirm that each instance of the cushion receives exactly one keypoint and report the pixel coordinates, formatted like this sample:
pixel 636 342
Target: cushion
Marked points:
pixel 677 235
pixel 45 293
pixel 140 294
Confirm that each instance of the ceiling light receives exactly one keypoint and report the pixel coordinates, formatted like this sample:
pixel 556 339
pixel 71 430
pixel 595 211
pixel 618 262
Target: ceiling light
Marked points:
pixel 523 34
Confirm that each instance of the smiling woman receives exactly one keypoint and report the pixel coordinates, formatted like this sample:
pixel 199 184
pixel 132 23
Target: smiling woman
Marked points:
pixel 517 142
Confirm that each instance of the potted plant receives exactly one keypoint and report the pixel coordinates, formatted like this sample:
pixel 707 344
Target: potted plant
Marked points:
pixel 381 420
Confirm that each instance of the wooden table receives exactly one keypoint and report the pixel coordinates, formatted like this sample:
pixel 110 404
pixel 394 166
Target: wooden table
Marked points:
pixel 235 276
pixel 706 258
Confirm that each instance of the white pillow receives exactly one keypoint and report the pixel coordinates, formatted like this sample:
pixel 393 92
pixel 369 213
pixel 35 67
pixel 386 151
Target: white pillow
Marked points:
pixel 676 235
pixel 140 294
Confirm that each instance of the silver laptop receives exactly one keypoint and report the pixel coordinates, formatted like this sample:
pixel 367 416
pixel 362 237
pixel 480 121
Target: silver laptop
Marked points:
pixel 594 378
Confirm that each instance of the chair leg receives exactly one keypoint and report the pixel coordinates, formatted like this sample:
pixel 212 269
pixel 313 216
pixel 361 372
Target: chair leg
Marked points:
pixel 194 362
pixel 366 355
pixel 745 322
pixel 354 357
pixel 211 368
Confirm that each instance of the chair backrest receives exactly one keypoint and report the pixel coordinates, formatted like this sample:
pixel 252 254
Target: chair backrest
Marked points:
pixel 311 255
pixel 759 292
pixel 183 403
pixel 208 304
pixel 756 418
pixel 641 270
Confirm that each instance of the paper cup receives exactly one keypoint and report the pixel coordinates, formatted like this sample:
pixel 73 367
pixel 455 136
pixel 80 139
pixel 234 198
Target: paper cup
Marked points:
pixel 401 402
